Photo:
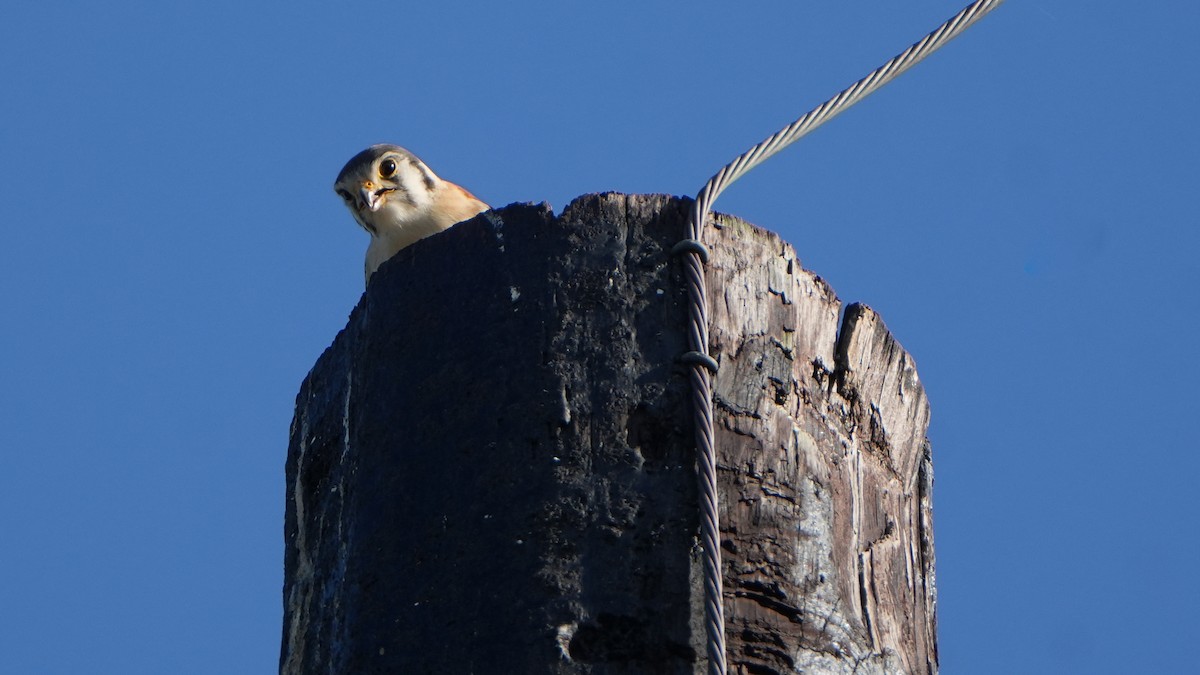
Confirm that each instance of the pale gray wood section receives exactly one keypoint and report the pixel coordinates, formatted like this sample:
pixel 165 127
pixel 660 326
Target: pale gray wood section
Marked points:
pixel 491 468
pixel 825 471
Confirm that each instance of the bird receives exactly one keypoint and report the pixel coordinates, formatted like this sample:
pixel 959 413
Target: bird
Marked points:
pixel 398 200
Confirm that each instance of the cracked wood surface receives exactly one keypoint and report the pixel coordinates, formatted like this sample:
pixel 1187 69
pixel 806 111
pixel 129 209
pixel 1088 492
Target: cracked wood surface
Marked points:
pixel 824 470
pixel 490 468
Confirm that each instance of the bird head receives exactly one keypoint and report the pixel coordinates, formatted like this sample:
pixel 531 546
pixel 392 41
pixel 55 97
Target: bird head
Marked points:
pixel 386 186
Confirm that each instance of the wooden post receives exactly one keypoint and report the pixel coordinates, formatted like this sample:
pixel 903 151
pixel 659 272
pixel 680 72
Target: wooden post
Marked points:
pixel 491 469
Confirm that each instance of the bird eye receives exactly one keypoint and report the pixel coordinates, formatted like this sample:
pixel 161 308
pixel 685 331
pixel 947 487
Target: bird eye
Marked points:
pixel 387 168
pixel 344 195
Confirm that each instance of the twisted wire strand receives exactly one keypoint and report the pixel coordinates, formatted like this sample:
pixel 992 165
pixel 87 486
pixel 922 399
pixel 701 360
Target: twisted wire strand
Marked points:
pixel 701 377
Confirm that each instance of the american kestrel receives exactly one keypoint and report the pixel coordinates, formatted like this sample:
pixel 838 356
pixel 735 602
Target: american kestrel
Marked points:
pixel 398 200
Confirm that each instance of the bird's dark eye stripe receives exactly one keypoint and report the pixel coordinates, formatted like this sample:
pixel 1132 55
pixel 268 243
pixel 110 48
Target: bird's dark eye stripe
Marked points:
pixel 387 167
pixel 344 195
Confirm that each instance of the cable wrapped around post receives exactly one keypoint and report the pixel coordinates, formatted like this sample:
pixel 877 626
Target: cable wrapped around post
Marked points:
pixel 694 258
pixel 702 426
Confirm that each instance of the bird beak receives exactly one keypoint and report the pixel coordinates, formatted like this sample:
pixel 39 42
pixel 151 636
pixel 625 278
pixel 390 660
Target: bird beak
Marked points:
pixel 369 197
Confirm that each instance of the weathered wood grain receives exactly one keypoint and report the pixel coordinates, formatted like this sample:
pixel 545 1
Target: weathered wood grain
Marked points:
pixel 824 469
pixel 490 469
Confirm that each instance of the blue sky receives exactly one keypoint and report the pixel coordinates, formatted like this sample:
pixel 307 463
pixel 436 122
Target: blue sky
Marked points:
pixel 1019 208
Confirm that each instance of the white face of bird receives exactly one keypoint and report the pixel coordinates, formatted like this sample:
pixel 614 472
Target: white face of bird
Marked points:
pixel 386 186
